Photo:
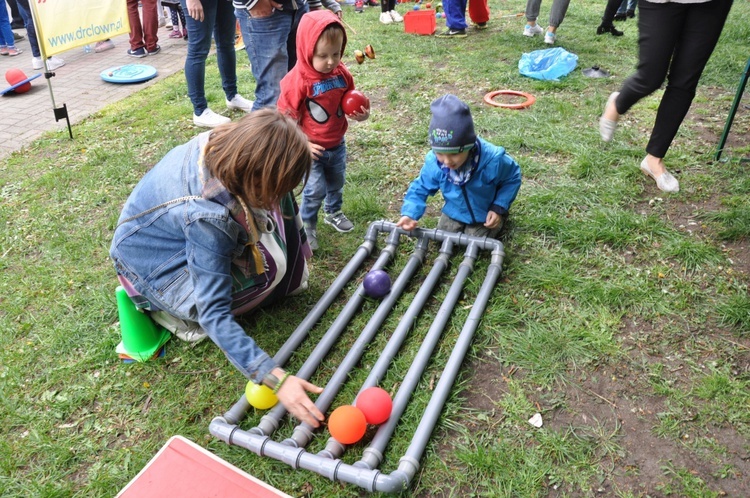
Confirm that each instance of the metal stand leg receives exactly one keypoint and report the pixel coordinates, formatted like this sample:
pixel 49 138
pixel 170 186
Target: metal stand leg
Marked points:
pixel 733 111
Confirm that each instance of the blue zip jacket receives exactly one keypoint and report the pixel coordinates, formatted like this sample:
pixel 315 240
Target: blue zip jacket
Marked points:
pixel 492 187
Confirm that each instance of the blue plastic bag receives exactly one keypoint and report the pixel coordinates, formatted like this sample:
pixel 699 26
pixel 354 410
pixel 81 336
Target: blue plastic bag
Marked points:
pixel 548 65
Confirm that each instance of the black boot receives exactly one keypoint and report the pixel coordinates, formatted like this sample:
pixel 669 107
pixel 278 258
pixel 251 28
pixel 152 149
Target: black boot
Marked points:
pixel 630 13
pixel 608 29
pixel 621 17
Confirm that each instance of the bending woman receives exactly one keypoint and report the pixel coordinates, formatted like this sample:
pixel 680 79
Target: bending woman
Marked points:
pixel 213 231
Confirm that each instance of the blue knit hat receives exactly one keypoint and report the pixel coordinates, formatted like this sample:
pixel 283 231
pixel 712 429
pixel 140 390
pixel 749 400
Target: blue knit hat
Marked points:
pixel 451 127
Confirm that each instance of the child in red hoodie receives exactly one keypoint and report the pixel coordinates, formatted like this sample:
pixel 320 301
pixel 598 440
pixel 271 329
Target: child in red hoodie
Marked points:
pixel 311 93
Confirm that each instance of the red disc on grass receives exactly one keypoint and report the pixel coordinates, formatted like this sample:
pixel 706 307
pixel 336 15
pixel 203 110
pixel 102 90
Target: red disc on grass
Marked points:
pixel 529 99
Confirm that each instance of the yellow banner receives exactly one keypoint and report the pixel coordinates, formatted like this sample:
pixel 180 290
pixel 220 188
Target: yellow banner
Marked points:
pixel 63 24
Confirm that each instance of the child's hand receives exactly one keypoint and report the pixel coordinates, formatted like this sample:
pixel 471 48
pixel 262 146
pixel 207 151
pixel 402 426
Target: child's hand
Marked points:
pixel 362 115
pixel 493 220
pixel 315 150
pixel 340 14
pixel 407 223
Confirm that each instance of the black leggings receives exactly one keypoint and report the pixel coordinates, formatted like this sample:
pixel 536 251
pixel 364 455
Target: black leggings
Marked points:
pixel 675 42
pixel 387 5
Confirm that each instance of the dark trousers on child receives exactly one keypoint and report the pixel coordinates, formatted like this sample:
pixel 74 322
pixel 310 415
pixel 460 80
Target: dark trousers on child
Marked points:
pixel 675 42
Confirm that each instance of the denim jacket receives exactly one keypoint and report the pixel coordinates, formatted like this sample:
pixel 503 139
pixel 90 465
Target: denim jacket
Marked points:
pixel 176 248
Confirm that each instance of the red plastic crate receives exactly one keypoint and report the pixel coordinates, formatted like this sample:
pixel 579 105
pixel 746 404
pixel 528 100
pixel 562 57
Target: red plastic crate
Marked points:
pixel 421 22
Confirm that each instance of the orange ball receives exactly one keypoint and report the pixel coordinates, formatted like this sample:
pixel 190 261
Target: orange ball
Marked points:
pixel 347 424
pixel 376 404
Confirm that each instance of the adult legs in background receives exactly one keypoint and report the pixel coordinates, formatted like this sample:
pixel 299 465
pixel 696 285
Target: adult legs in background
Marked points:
pixel 607 25
pixel 702 26
pixel 479 12
pixel 271 47
pixel 16 18
pixel 388 12
pixel 677 39
pixel 455 14
pixel 143 35
pixel 219 20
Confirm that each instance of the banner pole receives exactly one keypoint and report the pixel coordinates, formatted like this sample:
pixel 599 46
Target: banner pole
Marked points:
pixel 60 112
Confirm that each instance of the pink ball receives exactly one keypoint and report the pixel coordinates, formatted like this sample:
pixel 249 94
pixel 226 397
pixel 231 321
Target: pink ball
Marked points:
pixel 376 404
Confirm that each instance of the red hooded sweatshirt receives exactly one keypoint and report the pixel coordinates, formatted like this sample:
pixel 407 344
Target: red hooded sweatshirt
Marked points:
pixel 311 97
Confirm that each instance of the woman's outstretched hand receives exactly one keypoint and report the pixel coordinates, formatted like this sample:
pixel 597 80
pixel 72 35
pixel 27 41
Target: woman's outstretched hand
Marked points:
pixel 293 395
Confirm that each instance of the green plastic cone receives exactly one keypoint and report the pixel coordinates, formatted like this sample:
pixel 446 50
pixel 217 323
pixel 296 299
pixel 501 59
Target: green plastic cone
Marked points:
pixel 141 338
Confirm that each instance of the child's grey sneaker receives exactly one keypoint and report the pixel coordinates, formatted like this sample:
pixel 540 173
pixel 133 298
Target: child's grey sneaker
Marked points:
pixel 340 222
pixel 312 236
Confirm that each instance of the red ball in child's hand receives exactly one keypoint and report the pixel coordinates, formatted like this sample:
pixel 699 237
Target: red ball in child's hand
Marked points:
pixel 353 101
pixel 347 424
pixel 376 404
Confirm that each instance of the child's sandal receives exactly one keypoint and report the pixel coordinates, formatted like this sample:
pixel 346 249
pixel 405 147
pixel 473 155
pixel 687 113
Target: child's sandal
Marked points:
pixel 13 52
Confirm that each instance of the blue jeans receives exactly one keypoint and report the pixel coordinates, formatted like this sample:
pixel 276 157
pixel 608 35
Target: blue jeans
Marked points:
pixel 326 181
pixel 23 9
pixel 218 19
pixel 627 5
pixel 271 46
pixel 455 14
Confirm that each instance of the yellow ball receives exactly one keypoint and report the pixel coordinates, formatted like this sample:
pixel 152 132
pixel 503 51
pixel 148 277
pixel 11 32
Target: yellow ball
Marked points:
pixel 260 396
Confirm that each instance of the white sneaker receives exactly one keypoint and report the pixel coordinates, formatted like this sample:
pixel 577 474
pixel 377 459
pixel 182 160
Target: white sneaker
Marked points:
pixel 549 38
pixel 209 119
pixel 52 63
pixel 240 103
pixel 534 30
pixel 385 18
pixel 396 16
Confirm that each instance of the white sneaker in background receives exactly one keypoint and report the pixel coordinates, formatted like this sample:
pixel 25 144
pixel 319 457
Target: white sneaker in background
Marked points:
pixel 534 30
pixel 52 63
pixel 396 16
pixel 385 18
pixel 240 103
pixel 209 119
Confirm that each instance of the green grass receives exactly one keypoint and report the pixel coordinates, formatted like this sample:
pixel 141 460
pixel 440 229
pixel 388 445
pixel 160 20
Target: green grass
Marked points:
pixel 622 315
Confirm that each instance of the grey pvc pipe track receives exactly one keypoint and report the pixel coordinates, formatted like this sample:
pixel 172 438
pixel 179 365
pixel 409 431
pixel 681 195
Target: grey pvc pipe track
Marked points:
pixel 365 472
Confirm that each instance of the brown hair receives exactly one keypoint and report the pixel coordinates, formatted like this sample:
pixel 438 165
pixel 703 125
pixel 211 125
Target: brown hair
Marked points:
pixel 259 158
pixel 333 33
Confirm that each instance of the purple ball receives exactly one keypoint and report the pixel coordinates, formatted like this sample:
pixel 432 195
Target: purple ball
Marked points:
pixel 377 283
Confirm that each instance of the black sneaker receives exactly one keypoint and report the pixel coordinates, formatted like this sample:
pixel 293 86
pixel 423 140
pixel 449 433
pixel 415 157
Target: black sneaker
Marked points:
pixel 155 51
pixel 139 52
pixel 339 221
pixel 453 33
pixel 480 25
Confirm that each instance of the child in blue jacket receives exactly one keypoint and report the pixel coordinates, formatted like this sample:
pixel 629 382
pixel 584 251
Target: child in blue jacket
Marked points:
pixel 478 180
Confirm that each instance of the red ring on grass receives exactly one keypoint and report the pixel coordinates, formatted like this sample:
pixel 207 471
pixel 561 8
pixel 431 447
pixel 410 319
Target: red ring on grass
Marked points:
pixel 530 99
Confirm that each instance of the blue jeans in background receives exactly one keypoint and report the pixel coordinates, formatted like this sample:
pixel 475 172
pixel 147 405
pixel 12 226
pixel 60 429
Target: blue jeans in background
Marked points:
pixel 270 43
pixel 218 19
pixel 28 22
pixel 326 182
pixel 627 5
